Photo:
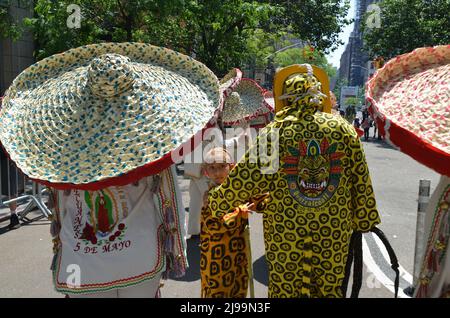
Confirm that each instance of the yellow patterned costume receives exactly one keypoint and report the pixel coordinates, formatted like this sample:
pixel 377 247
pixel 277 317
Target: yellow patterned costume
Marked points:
pixel 319 194
pixel 223 258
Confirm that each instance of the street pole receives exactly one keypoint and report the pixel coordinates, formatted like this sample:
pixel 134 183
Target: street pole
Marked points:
pixel 424 197
pixel 249 260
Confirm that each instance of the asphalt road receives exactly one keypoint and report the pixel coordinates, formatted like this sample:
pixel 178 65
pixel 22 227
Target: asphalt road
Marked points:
pixel 26 253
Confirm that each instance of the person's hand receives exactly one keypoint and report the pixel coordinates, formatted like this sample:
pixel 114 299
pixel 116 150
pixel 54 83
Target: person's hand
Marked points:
pixel 258 203
pixel 242 211
pixel 203 171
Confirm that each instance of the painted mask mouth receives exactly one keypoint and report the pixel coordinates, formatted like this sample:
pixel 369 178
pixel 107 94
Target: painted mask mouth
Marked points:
pixel 311 187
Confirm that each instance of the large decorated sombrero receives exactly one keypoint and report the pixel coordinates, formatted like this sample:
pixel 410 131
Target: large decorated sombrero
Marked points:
pixel 410 99
pixel 312 71
pixel 105 114
pixel 245 102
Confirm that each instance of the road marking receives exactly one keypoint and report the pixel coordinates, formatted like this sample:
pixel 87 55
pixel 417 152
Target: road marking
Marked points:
pixel 379 274
pixel 403 272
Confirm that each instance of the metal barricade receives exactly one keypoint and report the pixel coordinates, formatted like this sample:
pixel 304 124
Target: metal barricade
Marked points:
pixel 19 191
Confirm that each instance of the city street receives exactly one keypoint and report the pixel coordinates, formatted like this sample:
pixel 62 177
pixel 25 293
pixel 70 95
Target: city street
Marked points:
pixel 26 253
pixel 96 94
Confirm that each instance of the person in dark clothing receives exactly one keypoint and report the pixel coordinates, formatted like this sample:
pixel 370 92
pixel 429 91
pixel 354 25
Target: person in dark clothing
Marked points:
pixel 366 126
pixel 12 184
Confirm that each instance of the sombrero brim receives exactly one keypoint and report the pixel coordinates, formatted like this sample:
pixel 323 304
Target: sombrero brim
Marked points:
pixel 268 96
pixel 60 134
pixel 230 81
pixel 409 98
pixel 253 103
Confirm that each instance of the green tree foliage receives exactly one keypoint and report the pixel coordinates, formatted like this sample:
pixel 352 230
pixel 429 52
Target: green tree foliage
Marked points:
pixel 260 46
pixel 406 25
pixel 214 31
pixel 103 20
pixel 306 54
pixel 223 29
pixel 220 33
pixel 352 101
pixel 317 22
pixel 9 28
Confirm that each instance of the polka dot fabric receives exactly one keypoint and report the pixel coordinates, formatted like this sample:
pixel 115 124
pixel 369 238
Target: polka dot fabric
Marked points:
pixel 102 110
pixel 321 192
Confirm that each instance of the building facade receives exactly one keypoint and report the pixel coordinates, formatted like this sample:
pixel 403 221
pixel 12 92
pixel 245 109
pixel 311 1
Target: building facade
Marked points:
pixel 15 56
pixel 355 65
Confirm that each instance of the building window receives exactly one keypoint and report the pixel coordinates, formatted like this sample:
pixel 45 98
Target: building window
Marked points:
pixel 5 3
pixel 24 4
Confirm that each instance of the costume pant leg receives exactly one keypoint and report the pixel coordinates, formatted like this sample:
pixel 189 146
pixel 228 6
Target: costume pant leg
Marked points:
pixel 366 133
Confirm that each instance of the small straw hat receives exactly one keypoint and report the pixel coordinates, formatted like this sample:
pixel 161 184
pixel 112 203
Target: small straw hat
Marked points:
pixel 245 103
pixel 410 99
pixel 105 114
pixel 229 81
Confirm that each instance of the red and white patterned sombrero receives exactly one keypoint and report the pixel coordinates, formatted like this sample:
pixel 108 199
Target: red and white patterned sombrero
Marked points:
pixel 410 99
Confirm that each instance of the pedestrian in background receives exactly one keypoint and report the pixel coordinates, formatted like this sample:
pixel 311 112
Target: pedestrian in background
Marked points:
pixel 365 125
pixel 12 183
pixel 356 122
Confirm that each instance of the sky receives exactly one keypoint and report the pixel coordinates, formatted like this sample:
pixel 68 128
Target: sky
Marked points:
pixel 334 57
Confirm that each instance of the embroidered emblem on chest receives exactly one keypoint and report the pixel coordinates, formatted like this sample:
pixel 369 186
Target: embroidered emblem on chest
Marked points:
pixel 103 214
pixel 313 172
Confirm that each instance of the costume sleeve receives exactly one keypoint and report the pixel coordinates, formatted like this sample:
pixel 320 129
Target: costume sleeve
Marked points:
pixel 215 225
pixel 364 208
pixel 192 170
pixel 253 175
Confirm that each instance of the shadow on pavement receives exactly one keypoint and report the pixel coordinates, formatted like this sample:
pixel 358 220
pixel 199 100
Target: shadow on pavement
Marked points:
pixel 383 144
pixel 378 143
pixel 3 230
pixel 4 226
pixel 260 271
pixel 193 255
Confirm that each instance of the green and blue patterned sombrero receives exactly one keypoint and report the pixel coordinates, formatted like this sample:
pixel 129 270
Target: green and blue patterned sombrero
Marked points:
pixel 105 114
pixel 244 102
